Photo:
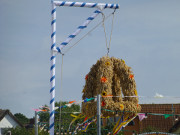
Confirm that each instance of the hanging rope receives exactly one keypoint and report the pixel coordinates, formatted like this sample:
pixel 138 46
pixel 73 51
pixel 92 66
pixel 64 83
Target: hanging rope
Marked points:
pixel 103 16
pixel 112 24
pixel 60 111
pixel 67 50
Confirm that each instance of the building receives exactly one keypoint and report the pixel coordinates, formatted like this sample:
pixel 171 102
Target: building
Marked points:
pixel 156 120
pixel 7 120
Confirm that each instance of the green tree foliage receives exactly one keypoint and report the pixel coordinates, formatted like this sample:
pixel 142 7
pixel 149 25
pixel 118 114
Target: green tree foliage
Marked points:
pixel 21 118
pixel 24 131
pixel 66 119
pixel 65 116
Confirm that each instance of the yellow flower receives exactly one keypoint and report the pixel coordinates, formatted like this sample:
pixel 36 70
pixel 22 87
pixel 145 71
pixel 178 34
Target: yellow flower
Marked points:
pixel 107 63
pixel 104 93
pixel 121 107
pixel 135 92
pixel 123 61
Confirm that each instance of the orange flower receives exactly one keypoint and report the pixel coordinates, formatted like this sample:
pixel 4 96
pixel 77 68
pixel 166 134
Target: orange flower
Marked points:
pixel 86 77
pixel 131 76
pixel 103 79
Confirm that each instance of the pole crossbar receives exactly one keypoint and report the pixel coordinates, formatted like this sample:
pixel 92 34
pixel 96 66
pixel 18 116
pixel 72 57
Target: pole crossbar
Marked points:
pixel 84 4
pixel 55 49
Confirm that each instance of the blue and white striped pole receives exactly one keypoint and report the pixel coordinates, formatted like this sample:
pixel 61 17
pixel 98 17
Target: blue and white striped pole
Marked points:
pixel 78 30
pixel 84 4
pixel 54 50
pixel 52 70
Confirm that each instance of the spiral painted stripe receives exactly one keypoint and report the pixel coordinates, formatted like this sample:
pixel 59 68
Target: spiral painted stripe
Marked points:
pixel 72 36
pixel 72 4
pixel 53 45
pixel 52 100
pixel 112 6
pixel 82 27
pixel 54 33
pixel 94 5
pixel 64 43
pixel 57 48
pixel 63 3
pixel 52 113
pixel 53 57
pixel 52 78
pixel 53 88
pixel 51 126
pixel 97 11
pixel 53 21
pixel 83 5
pixel 53 66
pixel 90 18
pixel 53 11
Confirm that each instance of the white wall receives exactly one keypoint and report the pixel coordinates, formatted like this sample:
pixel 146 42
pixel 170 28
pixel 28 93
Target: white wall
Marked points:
pixel 8 122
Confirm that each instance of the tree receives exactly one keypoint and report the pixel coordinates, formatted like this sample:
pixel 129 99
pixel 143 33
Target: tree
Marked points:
pixel 21 118
pixel 65 116
pixel 24 131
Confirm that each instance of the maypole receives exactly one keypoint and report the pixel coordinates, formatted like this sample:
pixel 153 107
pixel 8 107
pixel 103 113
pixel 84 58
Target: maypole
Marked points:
pixel 55 49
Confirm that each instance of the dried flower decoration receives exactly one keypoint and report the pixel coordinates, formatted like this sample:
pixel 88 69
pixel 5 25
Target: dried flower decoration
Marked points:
pixel 123 61
pixel 86 77
pixel 121 107
pixel 104 93
pixel 103 103
pixel 135 92
pixel 103 79
pixel 107 63
pixel 131 76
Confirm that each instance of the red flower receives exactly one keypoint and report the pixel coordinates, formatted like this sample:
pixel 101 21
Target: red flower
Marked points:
pixel 103 103
pixel 131 76
pixel 86 77
pixel 103 79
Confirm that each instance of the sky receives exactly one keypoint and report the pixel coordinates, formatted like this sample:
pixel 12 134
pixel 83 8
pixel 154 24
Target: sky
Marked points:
pixel 146 34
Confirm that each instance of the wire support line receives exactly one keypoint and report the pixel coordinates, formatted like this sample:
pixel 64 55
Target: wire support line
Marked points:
pixel 112 26
pixel 60 109
pixel 105 33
